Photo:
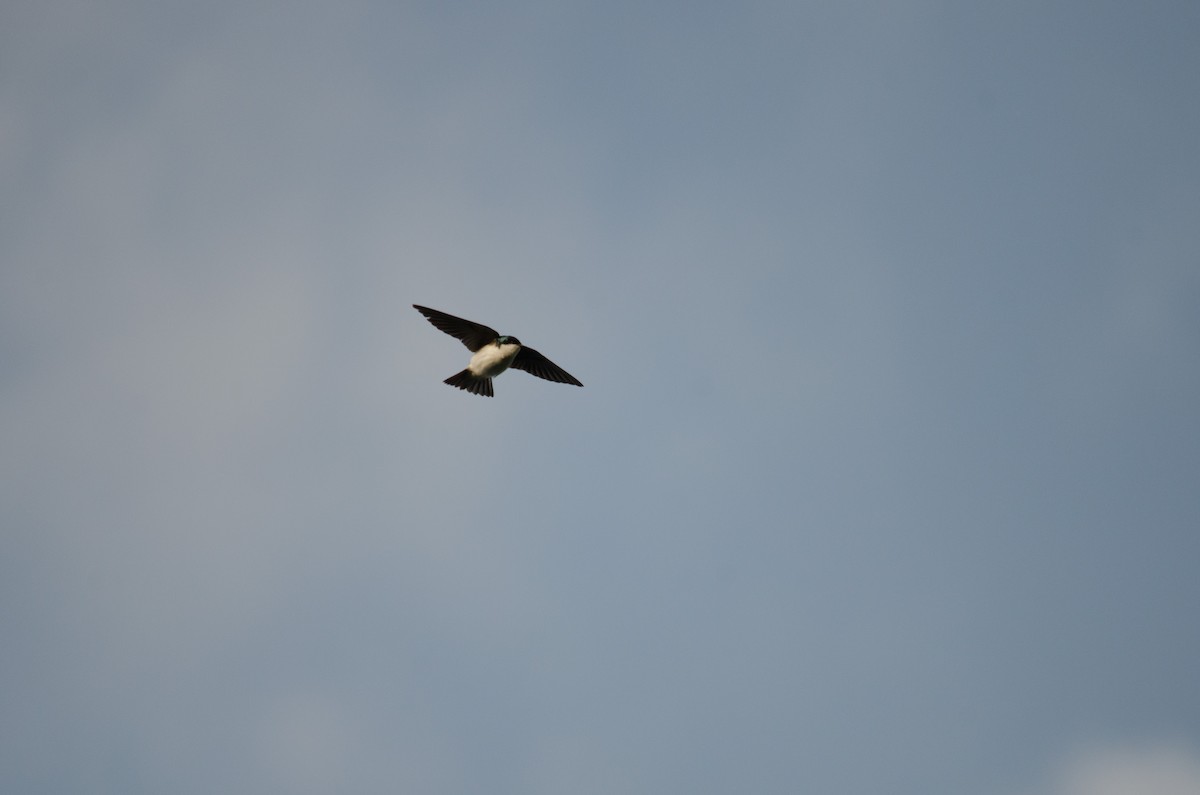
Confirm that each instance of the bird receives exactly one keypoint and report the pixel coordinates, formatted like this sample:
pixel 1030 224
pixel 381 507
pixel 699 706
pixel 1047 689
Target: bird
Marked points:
pixel 493 354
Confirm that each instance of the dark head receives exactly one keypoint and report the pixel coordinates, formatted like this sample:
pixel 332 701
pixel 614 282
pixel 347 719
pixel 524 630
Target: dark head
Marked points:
pixel 504 339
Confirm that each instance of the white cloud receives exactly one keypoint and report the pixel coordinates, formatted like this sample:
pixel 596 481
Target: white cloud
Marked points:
pixel 1164 769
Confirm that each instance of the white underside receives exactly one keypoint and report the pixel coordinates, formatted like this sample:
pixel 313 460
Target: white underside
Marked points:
pixel 492 360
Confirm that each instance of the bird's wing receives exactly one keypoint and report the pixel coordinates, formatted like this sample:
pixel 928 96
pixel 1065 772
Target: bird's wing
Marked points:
pixel 534 363
pixel 473 335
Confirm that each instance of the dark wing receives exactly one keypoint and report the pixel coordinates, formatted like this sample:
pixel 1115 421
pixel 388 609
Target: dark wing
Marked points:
pixel 473 335
pixel 534 363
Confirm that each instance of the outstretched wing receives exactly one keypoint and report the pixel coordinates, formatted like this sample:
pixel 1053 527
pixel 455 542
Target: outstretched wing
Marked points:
pixel 534 363
pixel 473 335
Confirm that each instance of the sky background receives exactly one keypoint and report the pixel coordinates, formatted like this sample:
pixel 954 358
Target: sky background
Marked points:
pixel 886 474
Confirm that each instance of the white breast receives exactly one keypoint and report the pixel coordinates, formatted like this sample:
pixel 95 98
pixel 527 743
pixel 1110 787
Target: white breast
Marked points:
pixel 492 360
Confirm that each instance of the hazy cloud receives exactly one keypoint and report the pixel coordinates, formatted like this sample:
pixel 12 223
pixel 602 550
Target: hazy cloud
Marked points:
pixel 1169 769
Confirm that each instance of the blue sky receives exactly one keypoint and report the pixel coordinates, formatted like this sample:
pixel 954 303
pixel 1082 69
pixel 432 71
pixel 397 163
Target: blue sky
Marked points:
pixel 886 477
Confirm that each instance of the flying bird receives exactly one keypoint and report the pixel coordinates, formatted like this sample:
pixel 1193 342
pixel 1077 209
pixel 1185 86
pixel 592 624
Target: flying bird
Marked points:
pixel 493 354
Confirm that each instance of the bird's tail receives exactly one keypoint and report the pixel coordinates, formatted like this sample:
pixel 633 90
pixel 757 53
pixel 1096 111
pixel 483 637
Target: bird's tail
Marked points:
pixel 475 384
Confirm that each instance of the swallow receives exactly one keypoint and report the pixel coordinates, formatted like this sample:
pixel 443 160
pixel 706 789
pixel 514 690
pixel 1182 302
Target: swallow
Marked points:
pixel 493 353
